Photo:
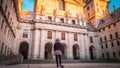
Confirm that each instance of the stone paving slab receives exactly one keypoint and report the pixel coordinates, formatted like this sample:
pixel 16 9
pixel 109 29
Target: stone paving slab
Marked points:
pixel 70 65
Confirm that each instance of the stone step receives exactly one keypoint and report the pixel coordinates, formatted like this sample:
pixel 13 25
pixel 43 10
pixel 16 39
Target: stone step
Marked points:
pixel 68 61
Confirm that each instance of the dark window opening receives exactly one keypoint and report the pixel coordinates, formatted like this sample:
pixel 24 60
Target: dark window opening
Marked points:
pixel 106 45
pixel 112 44
pixel 49 18
pixel 111 36
pixel 91 39
pixel 62 20
pixel 101 46
pixel 2 24
pixel 116 34
pixel 62 5
pixel 114 55
pixel 73 22
pixel 118 43
pixel 103 56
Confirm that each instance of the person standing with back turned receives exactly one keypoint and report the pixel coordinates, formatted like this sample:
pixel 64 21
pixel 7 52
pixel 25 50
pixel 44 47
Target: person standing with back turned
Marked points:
pixel 58 52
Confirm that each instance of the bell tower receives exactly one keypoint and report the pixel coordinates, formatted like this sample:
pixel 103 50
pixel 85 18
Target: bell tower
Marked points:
pixel 94 10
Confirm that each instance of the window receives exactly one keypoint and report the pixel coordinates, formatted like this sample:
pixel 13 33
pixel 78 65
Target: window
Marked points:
pixel 108 56
pixel 2 24
pixel 63 35
pixel 5 49
pixel 114 24
pixel 114 55
pixel 109 26
pixel 103 56
pixel 88 8
pixel 62 20
pixel 1 1
pixel 5 29
pixel 8 14
pixel 91 39
pixel 62 5
pixel 110 36
pixel 119 53
pixel 106 45
pixel 103 29
pixel 118 43
pixel 49 18
pixel 2 47
pixel 101 46
pixel 75 37
pixel 101 40
pixel 105 38
pixel 25 33
pixel 116 34
pixel 5 8
pixel 73 22
pixel 112 44
pixel 49 35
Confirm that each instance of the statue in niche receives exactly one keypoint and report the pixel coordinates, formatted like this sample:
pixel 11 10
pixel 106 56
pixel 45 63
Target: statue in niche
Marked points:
pixel 54 14
pixel 42 10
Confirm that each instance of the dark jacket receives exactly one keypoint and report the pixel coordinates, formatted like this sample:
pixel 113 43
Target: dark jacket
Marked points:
pixel 57 46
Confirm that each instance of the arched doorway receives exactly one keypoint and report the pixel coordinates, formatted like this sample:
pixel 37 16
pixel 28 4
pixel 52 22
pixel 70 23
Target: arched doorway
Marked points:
pixel 92 52
pixel 48 51
pixel 64 51
pixel 23 49
pixel 76 53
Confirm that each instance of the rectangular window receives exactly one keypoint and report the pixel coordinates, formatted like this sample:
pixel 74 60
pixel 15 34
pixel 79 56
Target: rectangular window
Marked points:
pixel 2 24
pixel 114 55
pixel 49 35
pixel 116 34
pixel 111 36
pixel 8 14
pixel 25 33
pixel 91 39
pixel 2 47
pixel 49 18
pixel 63 36
pixel 101 46
pixel 1 1
pixel 73 22
pixel 106 45
pixel 62 20
pixel 103 56
pixel 119 53
pixel 112 44
pixel 62 5
pixel 118 43
pixel 101 40
pixel 75 37
pixel 105 38
pixel 108 56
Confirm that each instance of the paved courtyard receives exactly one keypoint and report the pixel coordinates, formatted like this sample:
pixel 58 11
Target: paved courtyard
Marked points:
pixel 70 65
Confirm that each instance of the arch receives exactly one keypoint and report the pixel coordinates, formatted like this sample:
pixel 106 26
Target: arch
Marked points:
pixel 92 52
pixel 76 53
pixel 23 49
pixel 64 51
pixel 48 51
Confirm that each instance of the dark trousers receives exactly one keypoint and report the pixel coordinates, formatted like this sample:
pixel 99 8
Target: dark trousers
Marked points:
pixel 58 59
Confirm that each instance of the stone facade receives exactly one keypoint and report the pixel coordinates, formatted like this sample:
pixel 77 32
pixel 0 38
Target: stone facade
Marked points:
pixel 8 23
pixel 33 34
pixel 109 36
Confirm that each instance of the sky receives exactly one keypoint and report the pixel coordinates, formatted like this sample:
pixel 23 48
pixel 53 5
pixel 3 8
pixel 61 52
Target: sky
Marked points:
pixel 29 4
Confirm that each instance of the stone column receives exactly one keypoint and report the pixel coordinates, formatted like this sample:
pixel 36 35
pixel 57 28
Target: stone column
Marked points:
pixel 42 47
pixel 70 49
pixel 86 47
pixel 82 51
pixel 36 44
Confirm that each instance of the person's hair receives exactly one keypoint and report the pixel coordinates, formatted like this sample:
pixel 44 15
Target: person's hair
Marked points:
pixel 57 40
